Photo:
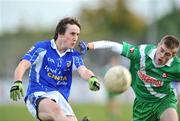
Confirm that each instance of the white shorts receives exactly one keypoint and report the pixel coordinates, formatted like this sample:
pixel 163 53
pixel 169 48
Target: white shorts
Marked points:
pixel 54 95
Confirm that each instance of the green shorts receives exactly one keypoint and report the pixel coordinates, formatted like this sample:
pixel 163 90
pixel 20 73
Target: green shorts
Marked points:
pixel 151 111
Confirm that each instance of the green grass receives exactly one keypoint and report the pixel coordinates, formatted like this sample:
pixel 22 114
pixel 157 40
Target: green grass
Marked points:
pixel 14 113
pixel 99 112
pixel 94 111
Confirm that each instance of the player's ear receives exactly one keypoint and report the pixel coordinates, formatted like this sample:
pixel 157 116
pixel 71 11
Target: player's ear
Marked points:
pixel 174 53
pixel 159 44
pixel 61 36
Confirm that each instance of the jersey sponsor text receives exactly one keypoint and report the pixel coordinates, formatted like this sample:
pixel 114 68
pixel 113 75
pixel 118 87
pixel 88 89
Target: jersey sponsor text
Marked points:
pixel 149 79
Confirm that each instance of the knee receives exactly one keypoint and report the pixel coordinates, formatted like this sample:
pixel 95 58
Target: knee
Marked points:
pixel 169 115
pixel 45 116
pixel 48 110
pixel 54 112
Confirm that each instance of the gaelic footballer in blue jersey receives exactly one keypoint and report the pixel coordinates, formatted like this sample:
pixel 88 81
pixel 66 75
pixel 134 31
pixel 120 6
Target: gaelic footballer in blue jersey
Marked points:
pixel 51 64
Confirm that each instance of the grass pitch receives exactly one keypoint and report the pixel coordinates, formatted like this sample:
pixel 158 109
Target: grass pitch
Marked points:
pixel 94 112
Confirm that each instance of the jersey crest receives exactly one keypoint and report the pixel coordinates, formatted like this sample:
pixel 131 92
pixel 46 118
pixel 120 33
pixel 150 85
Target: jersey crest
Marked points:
pixel 164 75
pixel 131 50
pixel 68 64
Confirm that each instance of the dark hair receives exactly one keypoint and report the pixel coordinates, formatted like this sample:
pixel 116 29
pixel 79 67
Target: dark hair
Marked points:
pixel 170 41
pixel 62 26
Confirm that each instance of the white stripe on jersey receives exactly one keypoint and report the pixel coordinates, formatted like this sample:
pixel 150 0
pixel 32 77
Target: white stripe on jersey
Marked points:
pixel 39 64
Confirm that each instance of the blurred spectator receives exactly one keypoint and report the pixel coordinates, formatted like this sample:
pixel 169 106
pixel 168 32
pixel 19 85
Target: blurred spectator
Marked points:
pixel 112 104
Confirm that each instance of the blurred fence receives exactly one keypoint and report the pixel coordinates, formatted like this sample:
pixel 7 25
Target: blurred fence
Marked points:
pixel 80 93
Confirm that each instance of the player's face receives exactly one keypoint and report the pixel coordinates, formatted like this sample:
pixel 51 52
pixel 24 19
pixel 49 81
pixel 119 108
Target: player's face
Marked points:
pixel 70 36
pixel 163 54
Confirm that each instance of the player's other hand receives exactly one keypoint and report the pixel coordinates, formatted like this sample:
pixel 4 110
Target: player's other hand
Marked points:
pixel 94 84
pixel 83 46
pixel 17 91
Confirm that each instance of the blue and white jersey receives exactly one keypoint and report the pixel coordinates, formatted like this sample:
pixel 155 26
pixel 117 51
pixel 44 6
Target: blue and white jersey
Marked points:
pixel 51 70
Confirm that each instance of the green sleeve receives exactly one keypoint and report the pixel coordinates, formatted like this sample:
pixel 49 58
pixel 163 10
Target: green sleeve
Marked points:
pixel 130 51
pixel 176 69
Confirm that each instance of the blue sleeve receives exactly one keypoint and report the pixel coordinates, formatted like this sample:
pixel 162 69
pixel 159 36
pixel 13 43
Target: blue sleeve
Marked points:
pixel 33 53
pixel 77 60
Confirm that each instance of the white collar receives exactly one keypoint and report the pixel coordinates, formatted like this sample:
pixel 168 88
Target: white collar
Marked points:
pixel 152 54
pixel 54 46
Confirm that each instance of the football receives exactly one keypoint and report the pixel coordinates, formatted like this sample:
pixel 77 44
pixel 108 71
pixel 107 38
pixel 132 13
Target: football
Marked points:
pixel 117 79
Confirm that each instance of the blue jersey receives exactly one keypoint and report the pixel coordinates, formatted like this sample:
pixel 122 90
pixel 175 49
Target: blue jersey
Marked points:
pixel 51 70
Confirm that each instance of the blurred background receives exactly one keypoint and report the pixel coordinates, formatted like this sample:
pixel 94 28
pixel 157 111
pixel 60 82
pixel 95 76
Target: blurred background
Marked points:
pixel 23 22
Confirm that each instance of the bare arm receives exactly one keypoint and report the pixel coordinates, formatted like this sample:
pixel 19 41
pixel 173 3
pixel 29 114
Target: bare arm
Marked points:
pixel 114 46
pixel 85 73
pixel 21 69
pixel 88 75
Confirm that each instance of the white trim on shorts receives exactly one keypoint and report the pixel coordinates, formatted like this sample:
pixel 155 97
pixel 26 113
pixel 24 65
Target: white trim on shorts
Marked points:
pixel 54 95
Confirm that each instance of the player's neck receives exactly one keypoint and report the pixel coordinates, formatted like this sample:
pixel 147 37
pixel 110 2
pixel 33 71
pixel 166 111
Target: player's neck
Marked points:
pixel 60 47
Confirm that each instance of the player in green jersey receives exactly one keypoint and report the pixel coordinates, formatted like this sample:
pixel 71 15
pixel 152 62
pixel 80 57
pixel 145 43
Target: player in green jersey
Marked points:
pixel 153 68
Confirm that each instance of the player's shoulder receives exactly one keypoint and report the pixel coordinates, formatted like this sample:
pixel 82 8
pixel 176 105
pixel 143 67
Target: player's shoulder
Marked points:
pixel 75 52
pixel 177 60
pixel 175 66
pixel 147 47
pixel 129 47
pixel 43 43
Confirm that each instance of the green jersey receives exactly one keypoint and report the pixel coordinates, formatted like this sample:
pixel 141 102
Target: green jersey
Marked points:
pixel 151 82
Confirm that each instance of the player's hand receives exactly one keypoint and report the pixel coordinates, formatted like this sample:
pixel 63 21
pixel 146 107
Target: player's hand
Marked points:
pixel 17 91
pixel 94 84
pixel 83 46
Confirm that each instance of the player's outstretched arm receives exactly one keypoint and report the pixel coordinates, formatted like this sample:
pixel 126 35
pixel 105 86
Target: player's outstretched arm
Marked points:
pixel 87 74
pixel 114 46
pixel 17 90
